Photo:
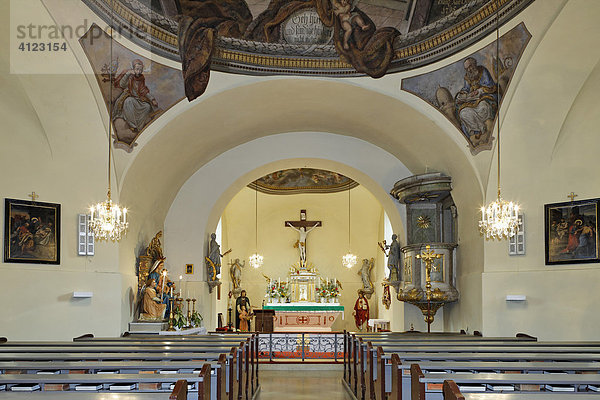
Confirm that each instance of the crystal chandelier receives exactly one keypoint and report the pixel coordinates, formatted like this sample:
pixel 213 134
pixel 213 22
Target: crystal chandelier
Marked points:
pixel 108 220
pixel 499 219
pixel 256 260
pixel 349 260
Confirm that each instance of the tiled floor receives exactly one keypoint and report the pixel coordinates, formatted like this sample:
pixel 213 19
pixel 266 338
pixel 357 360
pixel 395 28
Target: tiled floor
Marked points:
pixel 301 383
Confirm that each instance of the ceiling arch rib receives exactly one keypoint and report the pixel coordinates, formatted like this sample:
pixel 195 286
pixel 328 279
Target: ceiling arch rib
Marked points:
pixel 226 120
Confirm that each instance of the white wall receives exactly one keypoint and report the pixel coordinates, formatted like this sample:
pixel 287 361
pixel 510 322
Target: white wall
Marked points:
pixel 549 148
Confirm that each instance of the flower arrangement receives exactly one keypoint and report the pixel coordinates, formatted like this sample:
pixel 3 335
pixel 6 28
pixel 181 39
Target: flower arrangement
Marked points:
pixel 329 290
pixel 272 290
pixel 283 289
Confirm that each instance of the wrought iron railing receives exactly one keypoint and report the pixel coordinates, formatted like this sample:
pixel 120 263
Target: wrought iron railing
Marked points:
pixel 301 346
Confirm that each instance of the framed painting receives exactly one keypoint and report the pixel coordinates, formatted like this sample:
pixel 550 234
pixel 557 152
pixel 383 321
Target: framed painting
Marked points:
pixel 31 232
pixel 189 268
pixel 572 232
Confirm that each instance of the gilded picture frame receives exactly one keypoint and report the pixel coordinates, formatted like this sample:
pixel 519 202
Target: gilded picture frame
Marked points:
pixel 189 269
pixel 31 232
pixel 571 232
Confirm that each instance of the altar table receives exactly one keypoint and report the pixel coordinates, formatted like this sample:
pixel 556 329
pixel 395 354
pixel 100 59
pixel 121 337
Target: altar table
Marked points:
pixel 305 316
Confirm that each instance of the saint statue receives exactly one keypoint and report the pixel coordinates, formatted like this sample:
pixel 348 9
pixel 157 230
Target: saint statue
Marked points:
pixel 242 301
pixel 301 243
pixel 152 306
pixel 365 274
pixel 213 261
pixel 235 273
pixel 361 311
pixel 393 258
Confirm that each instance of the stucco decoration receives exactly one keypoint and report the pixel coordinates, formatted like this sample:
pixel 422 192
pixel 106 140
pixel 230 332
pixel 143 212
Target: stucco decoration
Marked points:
pixel 303 180
pixel 466 92
pixel 142 89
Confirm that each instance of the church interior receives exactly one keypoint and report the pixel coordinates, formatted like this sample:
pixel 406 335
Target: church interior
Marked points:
pixel 301 113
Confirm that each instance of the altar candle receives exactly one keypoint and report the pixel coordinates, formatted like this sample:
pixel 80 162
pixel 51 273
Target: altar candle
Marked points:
pixel 180 287
pixel 164 273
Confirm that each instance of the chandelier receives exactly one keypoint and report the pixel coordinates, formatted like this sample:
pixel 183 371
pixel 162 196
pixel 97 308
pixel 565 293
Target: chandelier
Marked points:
pixel 108 220
pixel 499 219
pixel 256 260
pixel 349 260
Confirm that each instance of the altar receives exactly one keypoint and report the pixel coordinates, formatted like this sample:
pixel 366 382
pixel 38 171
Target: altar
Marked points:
pixel 305 316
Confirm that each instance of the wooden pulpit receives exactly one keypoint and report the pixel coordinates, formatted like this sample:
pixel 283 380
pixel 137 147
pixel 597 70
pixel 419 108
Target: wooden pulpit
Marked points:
pixel 264 320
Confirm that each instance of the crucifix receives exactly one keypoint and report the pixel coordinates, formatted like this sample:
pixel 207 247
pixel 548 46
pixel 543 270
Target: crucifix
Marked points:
pixel 572 196
pixel 303 227
pixel 33 196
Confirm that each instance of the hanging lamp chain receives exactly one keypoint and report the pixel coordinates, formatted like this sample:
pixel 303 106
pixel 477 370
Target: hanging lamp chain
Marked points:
pixel 498 83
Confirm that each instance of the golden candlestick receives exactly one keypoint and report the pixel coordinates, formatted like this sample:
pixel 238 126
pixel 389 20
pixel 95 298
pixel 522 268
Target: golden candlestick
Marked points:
pixel 189 312
pixel 194 306
pixel 171 315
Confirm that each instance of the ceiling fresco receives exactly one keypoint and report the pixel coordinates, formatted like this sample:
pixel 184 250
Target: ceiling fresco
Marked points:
pixel 266 37
pixel 465 92
pixel 302 180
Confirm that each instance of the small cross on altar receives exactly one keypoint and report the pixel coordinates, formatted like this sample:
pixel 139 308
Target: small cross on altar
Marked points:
pixel 303 227
pixel 33 196
pixel 572 196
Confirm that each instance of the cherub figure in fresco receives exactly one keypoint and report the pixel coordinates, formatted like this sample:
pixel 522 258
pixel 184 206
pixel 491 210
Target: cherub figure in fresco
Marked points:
pixel 343 9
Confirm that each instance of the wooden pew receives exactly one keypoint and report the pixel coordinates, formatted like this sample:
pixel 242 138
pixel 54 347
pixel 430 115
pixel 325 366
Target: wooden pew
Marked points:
pixel 251 339
pixel 452 392
pixel 224 382
pixel 219 369
pixel 179 393
pixel 400 382
pixel 430 386
pixel 372 357
pixel 247 371
pixel 353 343
pixel 70 381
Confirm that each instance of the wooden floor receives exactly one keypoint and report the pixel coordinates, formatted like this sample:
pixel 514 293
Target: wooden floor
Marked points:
pixel 301 382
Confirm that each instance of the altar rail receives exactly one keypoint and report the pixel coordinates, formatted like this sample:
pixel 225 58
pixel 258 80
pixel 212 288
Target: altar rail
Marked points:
pixel 301 346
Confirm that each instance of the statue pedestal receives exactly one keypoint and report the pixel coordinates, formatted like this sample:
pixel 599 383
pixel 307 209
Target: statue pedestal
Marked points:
pixel 148 327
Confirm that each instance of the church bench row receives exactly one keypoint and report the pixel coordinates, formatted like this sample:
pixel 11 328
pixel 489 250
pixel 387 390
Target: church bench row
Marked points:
pixel 452 392
pixel 244 386
pixel 152 343
pixel 396 381
pixel 151 337
pixel 219 373
pixel 374 370
pixel 179 392
pixel 363 358
pixel 198 385
pixel 352 340
pixel 240 387
pixel 247 354
pixel 399 382
pixel 428 386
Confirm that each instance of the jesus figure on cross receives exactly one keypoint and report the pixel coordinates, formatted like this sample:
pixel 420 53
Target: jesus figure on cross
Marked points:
pixel 301 243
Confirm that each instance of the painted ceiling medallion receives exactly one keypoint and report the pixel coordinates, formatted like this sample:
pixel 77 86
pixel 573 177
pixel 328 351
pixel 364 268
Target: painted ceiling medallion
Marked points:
pixel 303 180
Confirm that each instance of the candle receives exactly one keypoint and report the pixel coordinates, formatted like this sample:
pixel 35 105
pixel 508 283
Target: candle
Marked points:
pixel 124 215
pixel 164 274
pixel 180 287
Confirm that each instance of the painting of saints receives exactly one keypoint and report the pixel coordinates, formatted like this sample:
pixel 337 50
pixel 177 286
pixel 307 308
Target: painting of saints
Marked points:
pixel 135 107
pixel 476 103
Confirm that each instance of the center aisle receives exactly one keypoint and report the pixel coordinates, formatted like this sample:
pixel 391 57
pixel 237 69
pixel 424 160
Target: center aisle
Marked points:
pixel 298 382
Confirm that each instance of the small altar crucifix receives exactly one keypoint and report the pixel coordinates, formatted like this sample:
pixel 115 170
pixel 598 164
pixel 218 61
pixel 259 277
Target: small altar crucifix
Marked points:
pixel 301 227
